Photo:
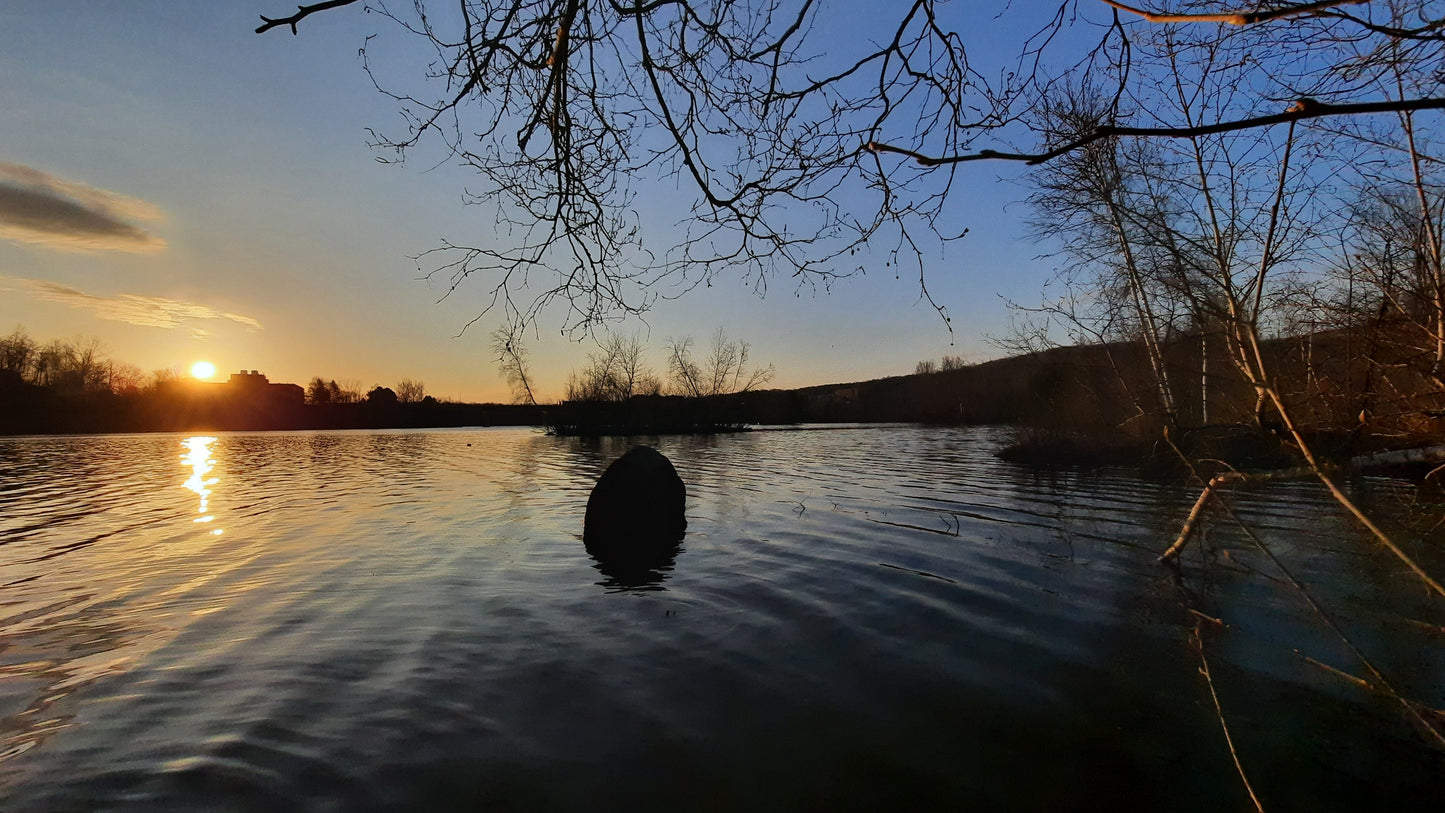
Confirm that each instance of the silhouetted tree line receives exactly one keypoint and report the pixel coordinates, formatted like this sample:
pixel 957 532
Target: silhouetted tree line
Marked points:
pixel 1094 390
pixel 65 386
pixel 928 366
pixel 73 366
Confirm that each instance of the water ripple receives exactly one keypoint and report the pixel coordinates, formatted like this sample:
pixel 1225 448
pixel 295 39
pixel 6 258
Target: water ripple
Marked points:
pixel 857 618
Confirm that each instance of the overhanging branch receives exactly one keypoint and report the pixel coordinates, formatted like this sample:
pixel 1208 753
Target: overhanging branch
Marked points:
pixel 1237 17
pixel 302 12
pixel 1302 109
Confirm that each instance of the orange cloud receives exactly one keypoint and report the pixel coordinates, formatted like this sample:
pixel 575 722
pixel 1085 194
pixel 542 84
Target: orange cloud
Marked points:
pixel 39 208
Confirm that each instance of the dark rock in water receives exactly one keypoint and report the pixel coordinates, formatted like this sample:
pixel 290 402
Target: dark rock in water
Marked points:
pixel 636 512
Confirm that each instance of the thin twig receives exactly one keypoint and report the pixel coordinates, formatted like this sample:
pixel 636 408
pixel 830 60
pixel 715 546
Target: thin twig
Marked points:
pixel 1203 617
pixel 1380 680
pixel 1197 638
pixel 1420 708
pixel 1339 673
pixel 1314 470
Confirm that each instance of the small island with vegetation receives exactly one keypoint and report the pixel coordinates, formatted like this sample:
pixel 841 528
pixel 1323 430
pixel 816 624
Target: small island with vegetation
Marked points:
pixel 617 393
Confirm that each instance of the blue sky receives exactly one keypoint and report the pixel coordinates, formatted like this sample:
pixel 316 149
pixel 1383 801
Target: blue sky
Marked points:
pixel 245 221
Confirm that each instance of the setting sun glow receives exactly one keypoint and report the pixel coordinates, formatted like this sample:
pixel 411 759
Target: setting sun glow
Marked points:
pixel 203 370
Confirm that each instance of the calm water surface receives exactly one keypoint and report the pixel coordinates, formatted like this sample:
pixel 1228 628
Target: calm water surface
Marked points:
pixel 857 619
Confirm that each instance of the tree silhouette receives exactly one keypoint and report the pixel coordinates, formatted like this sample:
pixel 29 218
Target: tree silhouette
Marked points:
pixel 792 129
pixel 70 366
pixel 616 372
pixel 723 371
pixel 17 353
pixel 410 391
pixel 382 396
pixel 515 364
pixel 318 391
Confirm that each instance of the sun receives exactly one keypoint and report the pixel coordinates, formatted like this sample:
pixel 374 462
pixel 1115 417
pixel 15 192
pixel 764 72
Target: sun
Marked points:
pixel 203 370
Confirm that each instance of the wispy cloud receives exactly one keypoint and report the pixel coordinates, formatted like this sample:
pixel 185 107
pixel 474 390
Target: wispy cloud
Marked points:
pixel 37 207
pixel 148 311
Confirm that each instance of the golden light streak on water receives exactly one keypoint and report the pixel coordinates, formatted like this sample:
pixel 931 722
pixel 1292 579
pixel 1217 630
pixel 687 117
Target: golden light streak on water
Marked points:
pixel 198 459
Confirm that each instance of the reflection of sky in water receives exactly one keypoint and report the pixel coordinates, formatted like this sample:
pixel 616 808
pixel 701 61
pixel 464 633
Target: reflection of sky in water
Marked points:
pixel 198 459
pixel 888 612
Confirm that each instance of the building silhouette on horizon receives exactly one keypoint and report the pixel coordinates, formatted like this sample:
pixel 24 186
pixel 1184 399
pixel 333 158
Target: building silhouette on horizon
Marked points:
pixel 252 385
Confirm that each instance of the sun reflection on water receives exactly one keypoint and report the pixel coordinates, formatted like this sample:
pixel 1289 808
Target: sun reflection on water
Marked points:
pixel 198 459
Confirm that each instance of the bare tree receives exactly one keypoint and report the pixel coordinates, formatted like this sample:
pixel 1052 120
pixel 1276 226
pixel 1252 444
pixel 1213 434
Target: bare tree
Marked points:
pixel 51 359
pixel 1390 258
pixel 515 364
pixel 793 138
pixel 1089 200
pixel 562 106
pixel 349 391
pixel 322 391
pixel 124 378
pixel 168 375
pixel 17 353
pixel 925 367
pixel 683 373
pixel 600 379
pixel 409 391
pixel 634 375
pixel 724 371
pixel 74 366
pixel 615 372
pixel 316 390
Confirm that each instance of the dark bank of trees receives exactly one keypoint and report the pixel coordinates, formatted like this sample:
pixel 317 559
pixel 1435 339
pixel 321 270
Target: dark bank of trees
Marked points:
pixel 948 364
pixel 320 391
pixel 407 391
pixel 71 385
pixel 73 366
pixel 66 386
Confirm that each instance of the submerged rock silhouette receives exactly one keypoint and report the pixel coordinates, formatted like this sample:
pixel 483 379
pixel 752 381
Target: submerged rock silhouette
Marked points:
pixel 636 512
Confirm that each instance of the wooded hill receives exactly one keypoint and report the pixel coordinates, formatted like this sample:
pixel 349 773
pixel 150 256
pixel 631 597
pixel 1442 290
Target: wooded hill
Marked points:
pixel 1338 383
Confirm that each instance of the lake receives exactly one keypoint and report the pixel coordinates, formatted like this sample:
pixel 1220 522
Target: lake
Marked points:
pixel 858 618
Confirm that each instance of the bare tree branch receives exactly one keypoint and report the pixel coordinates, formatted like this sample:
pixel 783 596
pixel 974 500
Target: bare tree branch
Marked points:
pixel 515 364
pixel 769 141
pixel 302 12
pixel 1236 17
pixel 1301 109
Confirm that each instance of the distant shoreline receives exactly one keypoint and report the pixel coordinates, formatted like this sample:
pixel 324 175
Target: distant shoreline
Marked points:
pixel 1072 406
